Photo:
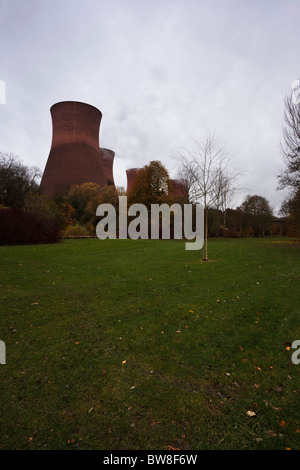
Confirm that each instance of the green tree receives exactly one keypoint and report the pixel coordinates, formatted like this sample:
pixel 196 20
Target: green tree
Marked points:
pixel 16 180
pixel 44 210
pixel 257 214
pixel 291 210
pixel 86 197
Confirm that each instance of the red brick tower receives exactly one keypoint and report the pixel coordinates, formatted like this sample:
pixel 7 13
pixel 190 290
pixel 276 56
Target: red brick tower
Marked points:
pixel 178 188
pixel 75 156
pixel 108 162
pixel 131 175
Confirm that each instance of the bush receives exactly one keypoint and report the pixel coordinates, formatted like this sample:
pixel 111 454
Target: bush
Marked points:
pixel 18 227
pixel 76 231
pixel 229 233
pixel 44 210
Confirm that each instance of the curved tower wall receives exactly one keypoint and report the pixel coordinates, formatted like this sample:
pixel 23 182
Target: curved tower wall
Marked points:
pixel 178 188
pixel 131 175
pixel 75 156
pixel 108 162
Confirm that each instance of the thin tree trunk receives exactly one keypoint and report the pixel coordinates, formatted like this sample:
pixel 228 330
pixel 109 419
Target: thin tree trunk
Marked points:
pixel 206 232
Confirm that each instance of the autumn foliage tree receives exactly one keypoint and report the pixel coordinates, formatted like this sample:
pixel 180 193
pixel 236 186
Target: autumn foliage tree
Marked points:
pixel 151 185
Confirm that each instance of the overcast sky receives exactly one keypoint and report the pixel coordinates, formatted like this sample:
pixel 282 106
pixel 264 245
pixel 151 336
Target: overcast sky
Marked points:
pixel 161 72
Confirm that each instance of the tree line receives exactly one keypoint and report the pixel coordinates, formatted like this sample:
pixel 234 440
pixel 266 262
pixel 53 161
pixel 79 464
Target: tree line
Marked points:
pixel 205 174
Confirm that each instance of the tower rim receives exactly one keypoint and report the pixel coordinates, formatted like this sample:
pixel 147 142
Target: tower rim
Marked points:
pixel 75 102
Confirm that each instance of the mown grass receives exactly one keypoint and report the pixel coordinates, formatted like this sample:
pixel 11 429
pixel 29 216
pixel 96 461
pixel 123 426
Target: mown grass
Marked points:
pixel 204 343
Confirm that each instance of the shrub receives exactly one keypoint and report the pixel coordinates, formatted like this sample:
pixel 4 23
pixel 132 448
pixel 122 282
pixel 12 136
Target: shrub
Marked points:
pixel 229 233
pixel 76 231
pixel 18 227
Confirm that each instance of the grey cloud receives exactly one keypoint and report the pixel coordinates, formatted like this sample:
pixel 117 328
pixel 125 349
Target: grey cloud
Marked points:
pixel 161 72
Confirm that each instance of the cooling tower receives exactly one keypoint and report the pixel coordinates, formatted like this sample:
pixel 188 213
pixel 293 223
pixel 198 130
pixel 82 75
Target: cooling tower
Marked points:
pixel 108 161
pixel 75 156
pixel 131 175
pixel 178 188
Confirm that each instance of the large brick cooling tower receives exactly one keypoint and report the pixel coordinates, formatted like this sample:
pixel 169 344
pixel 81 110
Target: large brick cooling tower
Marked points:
pixel 131 175
pixel 178 188
pixel 108 162
pixel 75 156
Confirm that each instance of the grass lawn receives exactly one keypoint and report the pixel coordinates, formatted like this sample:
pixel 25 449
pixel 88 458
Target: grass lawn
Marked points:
pixel 123 344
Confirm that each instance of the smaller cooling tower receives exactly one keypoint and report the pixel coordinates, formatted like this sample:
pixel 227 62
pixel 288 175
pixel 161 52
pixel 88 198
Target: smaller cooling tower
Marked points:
pixel 131 175
pixel 108 162
pixel 75 155
pixel 178 188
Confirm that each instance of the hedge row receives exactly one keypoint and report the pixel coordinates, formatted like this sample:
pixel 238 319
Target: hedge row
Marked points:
pixel 18 227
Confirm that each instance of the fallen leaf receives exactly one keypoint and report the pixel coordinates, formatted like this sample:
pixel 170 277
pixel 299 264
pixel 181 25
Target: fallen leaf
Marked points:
pixel 282 423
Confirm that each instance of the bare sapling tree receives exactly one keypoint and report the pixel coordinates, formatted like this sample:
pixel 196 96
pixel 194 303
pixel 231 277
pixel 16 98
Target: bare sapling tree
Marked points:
pixel 290 145
pixel 204 167
pixel 227 186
